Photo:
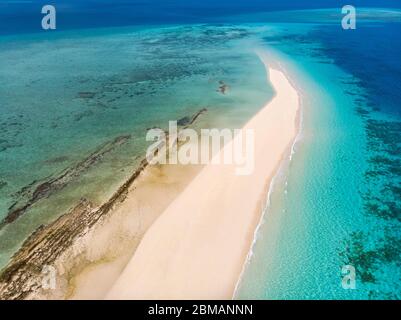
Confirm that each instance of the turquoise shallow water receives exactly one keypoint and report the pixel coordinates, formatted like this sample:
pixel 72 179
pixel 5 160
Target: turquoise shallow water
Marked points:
pixel 314 204
pixel 67 95
pixel 337 202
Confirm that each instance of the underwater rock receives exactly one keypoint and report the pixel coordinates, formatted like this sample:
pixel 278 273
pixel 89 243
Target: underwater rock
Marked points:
pixel 22 275
pixel 223 88
pixel 20 279
pixel 187 120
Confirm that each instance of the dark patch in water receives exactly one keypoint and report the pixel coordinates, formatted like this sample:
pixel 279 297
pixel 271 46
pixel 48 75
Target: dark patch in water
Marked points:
pixel 223 87
pixel 370 251
pixel 2 184
pixel 368 260
pixel 85 114
pixel 365 260
pixel 7 145
pixel 86 95
pixel 186 121
pixel 37 190
pixel 56 160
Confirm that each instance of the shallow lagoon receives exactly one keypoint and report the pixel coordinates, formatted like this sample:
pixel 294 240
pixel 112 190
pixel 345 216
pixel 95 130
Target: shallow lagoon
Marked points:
pixel 69 98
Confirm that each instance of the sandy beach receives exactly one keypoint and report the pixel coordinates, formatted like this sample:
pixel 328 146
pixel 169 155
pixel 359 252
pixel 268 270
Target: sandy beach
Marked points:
pixel 197 248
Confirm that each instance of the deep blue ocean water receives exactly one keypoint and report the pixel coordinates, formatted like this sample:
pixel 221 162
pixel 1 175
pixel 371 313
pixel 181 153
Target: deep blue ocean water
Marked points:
pixel 372 54
pixel 22 15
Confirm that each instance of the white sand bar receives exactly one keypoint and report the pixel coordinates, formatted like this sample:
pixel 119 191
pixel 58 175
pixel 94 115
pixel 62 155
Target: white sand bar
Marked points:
pixel 197 248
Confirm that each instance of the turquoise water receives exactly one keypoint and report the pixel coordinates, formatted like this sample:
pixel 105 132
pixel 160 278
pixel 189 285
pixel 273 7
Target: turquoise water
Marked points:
pixel 68 95
pixel 337 202
pixel 314 206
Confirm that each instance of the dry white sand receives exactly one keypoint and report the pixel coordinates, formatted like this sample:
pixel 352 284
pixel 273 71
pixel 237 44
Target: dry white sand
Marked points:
pixel 197 247
pixel 96 261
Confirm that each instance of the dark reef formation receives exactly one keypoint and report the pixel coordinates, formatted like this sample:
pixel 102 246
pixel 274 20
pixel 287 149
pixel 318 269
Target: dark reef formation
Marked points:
pixel 186 121
pixel 38 190
pixel 22 276
pixel 378 249
pixel 223 87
